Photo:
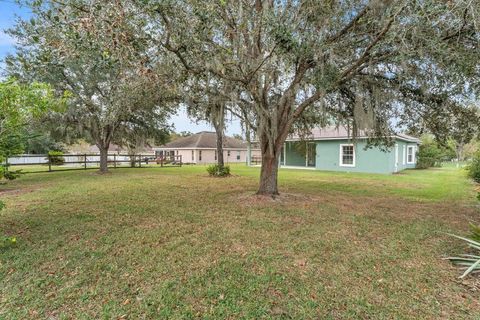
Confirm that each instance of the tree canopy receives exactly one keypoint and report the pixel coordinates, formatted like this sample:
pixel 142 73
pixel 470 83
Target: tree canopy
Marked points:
pixel 97 50
pixel 283 65
pixel 20 104
pixel 364 61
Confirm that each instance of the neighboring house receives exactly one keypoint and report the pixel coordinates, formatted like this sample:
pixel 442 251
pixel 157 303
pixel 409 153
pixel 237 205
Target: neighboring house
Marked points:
pixel 201 148
pixel 82 147
pixel 334 149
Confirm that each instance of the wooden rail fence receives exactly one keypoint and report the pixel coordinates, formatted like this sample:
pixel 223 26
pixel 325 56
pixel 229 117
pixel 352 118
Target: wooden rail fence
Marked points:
pixel 92 161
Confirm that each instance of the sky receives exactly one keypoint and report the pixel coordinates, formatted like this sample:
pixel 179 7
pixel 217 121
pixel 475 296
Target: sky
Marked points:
pixel 10 12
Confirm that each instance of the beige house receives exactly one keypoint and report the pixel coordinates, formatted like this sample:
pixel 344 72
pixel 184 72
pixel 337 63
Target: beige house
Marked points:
pixel 200 148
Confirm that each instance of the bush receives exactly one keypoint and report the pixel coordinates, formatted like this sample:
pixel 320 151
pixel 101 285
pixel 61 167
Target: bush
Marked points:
pixel 429 155
pixel 218 171
pixel 56 158
pixel 474 167
pixel 7 174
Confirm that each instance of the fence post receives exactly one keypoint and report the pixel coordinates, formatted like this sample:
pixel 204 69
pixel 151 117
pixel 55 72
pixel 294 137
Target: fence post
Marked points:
pixel 49 163
pixel 85 162
pixel 115 160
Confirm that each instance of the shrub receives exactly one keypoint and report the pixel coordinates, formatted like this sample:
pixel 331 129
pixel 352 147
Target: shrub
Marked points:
pixel 56 158
pixel 7 174
pixel 469 262
pixel 216 170
pixel 474 167
pixel 429 155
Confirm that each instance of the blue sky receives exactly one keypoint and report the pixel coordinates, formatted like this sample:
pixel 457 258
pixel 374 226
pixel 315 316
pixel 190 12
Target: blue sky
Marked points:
pixel 10 11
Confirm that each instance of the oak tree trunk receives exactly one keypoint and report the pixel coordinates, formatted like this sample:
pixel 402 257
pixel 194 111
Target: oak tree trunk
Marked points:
pixel 269 176
pixel 220 160
pixel 271 148
pixel 103 159
pixel 132 160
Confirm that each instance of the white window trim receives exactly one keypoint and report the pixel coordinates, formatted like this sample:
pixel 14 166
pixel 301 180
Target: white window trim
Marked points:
pixel 413 154
pixel 340 160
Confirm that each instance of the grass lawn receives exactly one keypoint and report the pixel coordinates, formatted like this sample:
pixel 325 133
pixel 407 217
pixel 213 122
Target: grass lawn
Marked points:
pixel 159 243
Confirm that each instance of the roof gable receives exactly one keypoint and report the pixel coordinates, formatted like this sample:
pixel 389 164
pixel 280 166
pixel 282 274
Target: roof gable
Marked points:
pixel 341 133
pixel 204 140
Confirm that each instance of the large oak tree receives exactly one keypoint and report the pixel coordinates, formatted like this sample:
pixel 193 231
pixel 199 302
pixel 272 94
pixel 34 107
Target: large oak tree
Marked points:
pixel 371 60
pixel 98 51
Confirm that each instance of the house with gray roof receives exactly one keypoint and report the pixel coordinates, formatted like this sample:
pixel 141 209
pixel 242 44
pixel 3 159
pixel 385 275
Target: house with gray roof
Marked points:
pixel 335 149
pixel 201 148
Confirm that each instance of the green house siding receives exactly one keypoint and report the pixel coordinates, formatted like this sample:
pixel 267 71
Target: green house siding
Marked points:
pixel 371 160
pixel 402 155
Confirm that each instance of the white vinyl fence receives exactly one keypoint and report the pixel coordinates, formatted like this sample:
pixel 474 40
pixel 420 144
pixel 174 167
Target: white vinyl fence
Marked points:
pixel 89 161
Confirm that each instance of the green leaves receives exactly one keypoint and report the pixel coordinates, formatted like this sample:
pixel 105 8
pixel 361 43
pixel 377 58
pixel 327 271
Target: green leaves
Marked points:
pixel 20 104
pixel 470 262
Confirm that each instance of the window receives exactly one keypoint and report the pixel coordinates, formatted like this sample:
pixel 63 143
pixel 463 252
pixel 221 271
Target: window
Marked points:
pixel 199 155
pixel 215 154
pixel 238 155
pixel 193 155
pixel 410 154
pixel 347 155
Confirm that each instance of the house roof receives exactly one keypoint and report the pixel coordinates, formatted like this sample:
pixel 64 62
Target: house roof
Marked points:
pixel 340 133
pixel 204 140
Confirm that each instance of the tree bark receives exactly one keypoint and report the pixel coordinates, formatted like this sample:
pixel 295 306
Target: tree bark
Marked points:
pixel 219 125
pixel 220 160
pixel 249 144
pixel 269 175
pixel 132 159
pixel 459 150
pixel 103 159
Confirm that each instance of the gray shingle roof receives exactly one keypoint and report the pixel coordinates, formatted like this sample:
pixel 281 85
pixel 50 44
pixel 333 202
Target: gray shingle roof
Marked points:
pixel 341 132
pixel 204 140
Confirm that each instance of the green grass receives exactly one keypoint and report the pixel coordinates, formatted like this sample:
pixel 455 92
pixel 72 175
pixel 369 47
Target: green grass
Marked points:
pixel 174 243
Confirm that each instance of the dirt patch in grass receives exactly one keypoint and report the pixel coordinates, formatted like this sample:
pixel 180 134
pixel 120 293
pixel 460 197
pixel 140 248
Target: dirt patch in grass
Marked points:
pixel 251 199
pixel 17 191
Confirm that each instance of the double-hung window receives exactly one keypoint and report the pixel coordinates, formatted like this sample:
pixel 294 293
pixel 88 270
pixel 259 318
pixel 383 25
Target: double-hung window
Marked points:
pixel 347 155
pixel 410 154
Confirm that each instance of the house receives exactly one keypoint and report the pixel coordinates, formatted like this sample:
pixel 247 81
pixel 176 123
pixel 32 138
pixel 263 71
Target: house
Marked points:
pixel 82 146
pixel 201 148
pixel 334 149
